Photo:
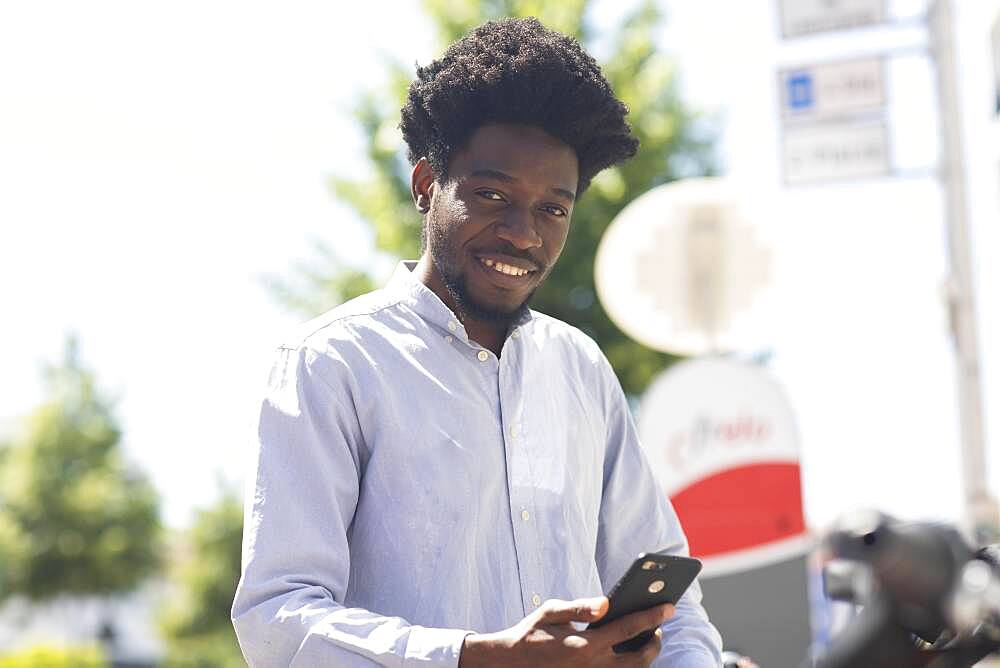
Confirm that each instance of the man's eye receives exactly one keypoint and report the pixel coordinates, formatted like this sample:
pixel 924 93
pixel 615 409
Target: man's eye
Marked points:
pixel 559 212
pixel 491 194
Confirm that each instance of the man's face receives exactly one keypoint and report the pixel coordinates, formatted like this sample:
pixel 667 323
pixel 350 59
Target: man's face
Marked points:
pixel 498 223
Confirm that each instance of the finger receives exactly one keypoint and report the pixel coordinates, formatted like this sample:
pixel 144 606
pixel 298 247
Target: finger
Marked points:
pixel 651 650
pixel 632 625
pixel 645 655
pixel 555 611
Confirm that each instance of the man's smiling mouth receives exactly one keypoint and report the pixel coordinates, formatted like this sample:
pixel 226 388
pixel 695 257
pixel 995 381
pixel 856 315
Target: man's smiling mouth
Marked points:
pixel 505 268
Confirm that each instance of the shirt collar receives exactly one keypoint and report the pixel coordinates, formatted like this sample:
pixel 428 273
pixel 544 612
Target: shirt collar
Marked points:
pixel 428 305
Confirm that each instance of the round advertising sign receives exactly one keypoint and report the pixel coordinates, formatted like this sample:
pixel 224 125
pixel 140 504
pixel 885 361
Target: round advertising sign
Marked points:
pixel 722 441
pixel 681 269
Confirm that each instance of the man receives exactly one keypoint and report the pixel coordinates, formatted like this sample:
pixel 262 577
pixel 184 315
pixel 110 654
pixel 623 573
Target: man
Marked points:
pixel 445 477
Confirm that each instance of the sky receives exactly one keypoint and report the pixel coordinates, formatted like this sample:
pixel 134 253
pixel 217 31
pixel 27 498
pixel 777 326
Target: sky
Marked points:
pixel 158 161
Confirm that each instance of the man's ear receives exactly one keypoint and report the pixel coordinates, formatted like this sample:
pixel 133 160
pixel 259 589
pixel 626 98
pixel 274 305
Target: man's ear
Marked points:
pixel 422 185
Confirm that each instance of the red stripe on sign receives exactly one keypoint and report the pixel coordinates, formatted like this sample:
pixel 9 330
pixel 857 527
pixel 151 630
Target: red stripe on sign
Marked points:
pixel 740 508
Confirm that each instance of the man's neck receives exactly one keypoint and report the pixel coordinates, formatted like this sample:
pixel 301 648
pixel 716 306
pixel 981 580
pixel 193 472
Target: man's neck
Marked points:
pixel 490 334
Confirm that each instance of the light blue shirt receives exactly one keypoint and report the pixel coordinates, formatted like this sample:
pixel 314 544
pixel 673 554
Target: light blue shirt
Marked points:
pixel 411 487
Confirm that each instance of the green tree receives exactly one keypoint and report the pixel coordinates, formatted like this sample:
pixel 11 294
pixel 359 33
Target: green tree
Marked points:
pixel 672 146
pixel 74 518
pixel 206 571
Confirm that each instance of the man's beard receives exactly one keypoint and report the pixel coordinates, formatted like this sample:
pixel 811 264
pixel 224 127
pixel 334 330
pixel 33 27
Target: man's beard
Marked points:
pixel 445 260
pixel 455 284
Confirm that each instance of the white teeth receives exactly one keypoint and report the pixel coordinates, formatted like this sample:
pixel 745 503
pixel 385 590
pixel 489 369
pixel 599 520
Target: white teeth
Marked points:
pixel 504 268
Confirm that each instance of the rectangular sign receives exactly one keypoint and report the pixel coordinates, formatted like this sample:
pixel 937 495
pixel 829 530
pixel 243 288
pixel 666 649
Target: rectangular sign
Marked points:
pixel 832 89
pixel 834 152
pixel 802 17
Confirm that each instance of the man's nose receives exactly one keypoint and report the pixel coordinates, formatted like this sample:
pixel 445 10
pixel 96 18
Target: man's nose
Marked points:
pixel 518 228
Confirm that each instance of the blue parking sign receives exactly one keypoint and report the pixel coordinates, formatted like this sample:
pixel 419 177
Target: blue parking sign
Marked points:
pixel 800 91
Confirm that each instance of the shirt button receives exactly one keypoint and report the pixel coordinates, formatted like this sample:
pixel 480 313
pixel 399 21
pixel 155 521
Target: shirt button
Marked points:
pixel 536 600
pixel 525 515
pixel 514 431
pixel 449 338
pixel 452 326
pixel 515 334
pixel 483 355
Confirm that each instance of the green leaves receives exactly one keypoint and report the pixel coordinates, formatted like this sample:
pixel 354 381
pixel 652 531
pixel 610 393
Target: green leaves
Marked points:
pixel 196 623
pixel 56 656
pixel 454 18
pixel 73 517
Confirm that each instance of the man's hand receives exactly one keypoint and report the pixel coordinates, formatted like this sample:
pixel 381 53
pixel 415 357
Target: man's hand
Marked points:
pixel 546 638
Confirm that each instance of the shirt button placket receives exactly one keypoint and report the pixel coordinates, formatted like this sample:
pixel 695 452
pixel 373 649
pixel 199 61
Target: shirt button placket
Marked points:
pixel 524 533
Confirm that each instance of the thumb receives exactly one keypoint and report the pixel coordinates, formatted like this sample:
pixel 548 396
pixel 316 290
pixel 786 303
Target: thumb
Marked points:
pixel 578 610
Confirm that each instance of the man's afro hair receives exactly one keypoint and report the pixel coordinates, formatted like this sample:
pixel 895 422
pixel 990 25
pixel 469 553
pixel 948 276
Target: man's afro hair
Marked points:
pixel 516 71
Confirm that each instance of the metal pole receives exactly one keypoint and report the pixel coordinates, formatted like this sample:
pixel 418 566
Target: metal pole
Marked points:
pixel 981 516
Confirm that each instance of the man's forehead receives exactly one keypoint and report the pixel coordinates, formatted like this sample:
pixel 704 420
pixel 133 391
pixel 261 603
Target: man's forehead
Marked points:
pixel 517 152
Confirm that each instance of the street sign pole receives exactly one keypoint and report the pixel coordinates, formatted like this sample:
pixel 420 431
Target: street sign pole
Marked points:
pixel 981 514
pixel 815 152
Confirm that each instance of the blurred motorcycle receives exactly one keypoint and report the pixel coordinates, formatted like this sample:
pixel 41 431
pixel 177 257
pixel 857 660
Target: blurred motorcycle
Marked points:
pixel 928 598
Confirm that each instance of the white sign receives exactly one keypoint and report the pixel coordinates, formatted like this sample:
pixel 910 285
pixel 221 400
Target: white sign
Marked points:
pixel 832 89
pixel 680 269
pixel 705 415
pixel 834 152
pixel 801 17
pixel 722 440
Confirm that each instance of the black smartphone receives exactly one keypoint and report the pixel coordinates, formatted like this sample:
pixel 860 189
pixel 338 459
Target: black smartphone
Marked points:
pixel 651 580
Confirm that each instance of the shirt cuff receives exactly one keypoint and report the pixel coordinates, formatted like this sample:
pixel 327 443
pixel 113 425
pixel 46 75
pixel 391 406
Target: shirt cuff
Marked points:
pixel 434 647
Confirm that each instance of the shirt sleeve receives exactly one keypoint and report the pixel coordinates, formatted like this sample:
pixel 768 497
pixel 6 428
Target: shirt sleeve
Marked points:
pixel 637 517
pixel 300 501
